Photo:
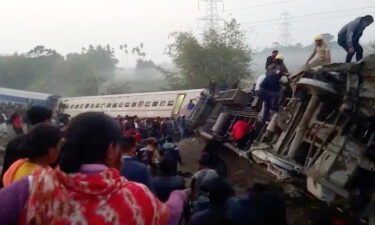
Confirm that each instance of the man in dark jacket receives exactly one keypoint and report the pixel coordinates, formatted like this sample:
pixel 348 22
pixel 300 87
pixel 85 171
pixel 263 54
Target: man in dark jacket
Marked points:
pixel 350 34
pixel 271 58
pixel 35 115
pixel 132 169
pixel 219 191
pixel 270 87
pixel 167 181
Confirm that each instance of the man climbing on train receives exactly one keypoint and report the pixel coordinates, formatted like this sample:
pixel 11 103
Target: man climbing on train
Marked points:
pixel 350 34
pixel 270 87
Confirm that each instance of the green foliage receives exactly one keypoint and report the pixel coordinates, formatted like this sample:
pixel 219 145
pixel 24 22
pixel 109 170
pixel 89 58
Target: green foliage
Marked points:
pixel 222 56
pixel 45 70
pixel 118 87
pixel 144 64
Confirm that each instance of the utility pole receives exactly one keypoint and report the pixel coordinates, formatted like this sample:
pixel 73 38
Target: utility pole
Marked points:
pixel 212 16
pixel 285 25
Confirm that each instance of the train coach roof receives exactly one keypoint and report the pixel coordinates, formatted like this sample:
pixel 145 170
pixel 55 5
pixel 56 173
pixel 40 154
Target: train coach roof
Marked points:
pixel 23 94
pixel 138 94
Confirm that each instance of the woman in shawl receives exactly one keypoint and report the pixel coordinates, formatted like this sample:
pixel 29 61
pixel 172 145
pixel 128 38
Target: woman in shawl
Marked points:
pixel 86 187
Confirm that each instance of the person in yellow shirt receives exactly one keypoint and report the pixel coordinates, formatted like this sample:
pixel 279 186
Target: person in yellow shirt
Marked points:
pixel 41 147
pixel 321 54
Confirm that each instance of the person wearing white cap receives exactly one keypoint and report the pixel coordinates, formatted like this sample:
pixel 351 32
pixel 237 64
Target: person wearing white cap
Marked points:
pixel 321 54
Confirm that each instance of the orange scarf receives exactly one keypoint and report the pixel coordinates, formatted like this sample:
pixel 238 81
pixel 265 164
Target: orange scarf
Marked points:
pixel 11 172
pixel 57 198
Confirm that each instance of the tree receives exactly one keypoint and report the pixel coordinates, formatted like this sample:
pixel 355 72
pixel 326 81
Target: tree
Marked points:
pixel 222 56
pixel 328 37
pixel 144 64
pixel 117 87
pixel 40 51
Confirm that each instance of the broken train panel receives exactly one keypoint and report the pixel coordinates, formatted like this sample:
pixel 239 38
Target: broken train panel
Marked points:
pixel 326 131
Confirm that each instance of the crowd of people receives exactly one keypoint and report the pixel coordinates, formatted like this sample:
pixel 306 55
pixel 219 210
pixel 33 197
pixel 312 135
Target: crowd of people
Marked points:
pixel 95 171
pixel 157 127
pixel 11 114
pixel 99 170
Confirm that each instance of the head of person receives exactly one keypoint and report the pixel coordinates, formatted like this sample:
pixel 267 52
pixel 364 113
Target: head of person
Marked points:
pixel 212 147
pixel 367 20
pixel 38 114
pixel 319 40
pixel 169 139
pixel 152 142
pixel 219 191
pixel 41 144
pixel 128 146
pixel 275 53
pixel 205 162
pixel 279 59
pixel 91 138
pixel 168 166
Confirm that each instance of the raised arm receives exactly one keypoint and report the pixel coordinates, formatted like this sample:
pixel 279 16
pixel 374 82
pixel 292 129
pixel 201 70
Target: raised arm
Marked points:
pixel 311 56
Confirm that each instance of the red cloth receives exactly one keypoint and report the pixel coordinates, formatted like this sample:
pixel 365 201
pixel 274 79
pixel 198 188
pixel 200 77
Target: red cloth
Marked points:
pixel 240 129
pixel 17 122
pixel 57 198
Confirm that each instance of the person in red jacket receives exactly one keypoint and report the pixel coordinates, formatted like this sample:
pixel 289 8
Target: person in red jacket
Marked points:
pixel 241 132
pixel 17 123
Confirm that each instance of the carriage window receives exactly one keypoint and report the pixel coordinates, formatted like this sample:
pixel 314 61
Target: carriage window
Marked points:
pixel 127 104
pixel 103 105
pixel 87 105
pixel 170 103
pixel 76 106
pixel 114 105
pixel 97 105
pixel 147 104
pixel 155 103
pixel 134 104
pixel 162 103
pixel 109 105
pixel 141 103
pixel 121 105
pixel 81 106
pixel 92 106
pixel 71 106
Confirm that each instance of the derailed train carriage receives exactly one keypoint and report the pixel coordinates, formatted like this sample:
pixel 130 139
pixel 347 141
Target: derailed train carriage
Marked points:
pixel 324 131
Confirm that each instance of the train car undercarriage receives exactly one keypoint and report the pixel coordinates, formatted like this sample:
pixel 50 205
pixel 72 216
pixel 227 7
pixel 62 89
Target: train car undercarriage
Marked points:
pixel 324 133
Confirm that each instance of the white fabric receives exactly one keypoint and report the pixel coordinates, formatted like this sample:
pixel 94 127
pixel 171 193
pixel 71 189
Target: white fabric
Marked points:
pixel 259 82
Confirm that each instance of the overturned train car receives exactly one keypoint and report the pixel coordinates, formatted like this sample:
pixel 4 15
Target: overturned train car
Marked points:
pixel 324 131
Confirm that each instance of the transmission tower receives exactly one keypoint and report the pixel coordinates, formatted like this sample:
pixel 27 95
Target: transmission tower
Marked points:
pixel 212 16
pixel 285 26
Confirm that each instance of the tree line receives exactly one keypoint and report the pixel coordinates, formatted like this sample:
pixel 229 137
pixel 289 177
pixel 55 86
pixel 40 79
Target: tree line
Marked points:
pixel 45 70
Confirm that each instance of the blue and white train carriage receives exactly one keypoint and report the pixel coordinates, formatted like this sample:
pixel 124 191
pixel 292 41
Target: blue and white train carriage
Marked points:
pixel 27 98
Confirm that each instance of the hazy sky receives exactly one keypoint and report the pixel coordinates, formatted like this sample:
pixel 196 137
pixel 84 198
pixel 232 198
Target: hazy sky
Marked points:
pixel 68 25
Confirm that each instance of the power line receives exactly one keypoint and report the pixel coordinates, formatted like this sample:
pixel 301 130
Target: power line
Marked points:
pixel 325 18
pixel 311 14
pixel 261 5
